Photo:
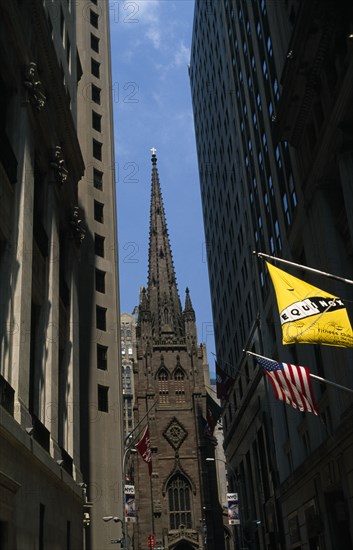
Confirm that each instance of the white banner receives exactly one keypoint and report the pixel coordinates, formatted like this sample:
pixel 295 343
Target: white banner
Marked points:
pixel 233 509
pixel 130 510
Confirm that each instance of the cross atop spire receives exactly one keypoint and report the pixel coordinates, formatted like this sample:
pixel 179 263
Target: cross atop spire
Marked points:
pixel 163 296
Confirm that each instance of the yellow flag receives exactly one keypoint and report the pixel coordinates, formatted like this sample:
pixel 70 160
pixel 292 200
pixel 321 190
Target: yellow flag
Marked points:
pixel 309 315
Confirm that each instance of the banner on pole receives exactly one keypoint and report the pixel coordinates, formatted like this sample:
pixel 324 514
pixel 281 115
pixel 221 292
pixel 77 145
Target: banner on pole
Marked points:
pixel 308 314
pixel 233 509
pixel 130 509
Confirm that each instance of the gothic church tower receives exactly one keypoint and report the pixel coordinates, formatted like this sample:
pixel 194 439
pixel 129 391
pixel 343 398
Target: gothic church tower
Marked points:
pixel 177 503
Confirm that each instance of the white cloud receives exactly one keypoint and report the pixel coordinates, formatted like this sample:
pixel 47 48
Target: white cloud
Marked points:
pixel 157 98
pixel 154 35
pixel 148 15
pixel 182 55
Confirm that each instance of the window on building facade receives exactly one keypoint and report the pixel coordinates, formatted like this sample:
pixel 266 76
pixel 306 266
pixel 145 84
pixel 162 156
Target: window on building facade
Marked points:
pixel 258 30
pixel 270 186
pixel 95 43
pixel 127 380
pixel 269 46
pixel 62 24
pixel 102 357
pixel 103 398
pixel 68 51
pixel 163 388
pixel 101 318
pixel 179 502
pixel 100 281
pixel 96 94
pixel 258 100
pixel 96 121
pixel 179 377
pixel 292 190
pixel 272 245
pixel 286 209
pixel 266 201
pixel 97 149
pixel 99 245
pixel 95 68
pixel 98 211
pixel 97 179
pixel 93 17
pixel 276 89
pixel 278 235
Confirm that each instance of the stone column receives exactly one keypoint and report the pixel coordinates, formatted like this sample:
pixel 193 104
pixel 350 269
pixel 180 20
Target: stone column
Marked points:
pixel 73 394
pixel 51 393
pixel 22 271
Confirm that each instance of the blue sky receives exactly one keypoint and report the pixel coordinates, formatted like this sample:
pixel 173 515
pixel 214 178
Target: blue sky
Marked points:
pixel 151 42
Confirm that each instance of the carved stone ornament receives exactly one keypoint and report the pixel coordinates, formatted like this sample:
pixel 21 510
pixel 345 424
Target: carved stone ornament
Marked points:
pixel 174 537
pixel 34 86
pixel 58 165
pixel 77 226
pixel 175 434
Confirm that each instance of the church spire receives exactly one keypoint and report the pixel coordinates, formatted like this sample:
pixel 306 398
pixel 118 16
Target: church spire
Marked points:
pixel 163 297
pixel 189 312
pixel 189 318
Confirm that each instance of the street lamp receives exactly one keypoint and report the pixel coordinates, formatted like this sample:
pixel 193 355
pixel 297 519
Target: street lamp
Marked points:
pixel 117 520
pixel 129 449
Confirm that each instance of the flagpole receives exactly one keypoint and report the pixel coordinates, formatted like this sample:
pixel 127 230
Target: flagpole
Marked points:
pixel 209 388
pixel 306 268
pixel 129 436
pixel 324 381
pixel 313 376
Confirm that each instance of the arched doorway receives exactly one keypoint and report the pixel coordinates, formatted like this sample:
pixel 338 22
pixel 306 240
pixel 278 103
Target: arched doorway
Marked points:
pixel 184 546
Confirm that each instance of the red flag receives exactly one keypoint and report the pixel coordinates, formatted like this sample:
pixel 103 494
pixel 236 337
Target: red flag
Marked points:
pixel 223 382
pixel 144 448
pixel 290 384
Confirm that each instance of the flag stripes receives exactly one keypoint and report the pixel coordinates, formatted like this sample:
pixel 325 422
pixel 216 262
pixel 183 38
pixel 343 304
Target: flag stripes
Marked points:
pixel 290 383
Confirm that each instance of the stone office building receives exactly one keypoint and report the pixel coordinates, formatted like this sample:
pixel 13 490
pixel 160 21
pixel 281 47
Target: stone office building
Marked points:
pixel 46 227
pixel 178 504
pixel 272 102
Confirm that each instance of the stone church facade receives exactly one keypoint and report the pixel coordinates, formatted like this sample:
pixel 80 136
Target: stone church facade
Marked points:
pixel 178 503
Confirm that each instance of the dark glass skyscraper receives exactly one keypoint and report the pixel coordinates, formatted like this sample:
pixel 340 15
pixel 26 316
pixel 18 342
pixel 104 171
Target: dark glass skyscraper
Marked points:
pixel 271 100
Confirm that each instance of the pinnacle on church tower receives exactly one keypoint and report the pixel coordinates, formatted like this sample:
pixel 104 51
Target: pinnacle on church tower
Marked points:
pixel 162 292
pixel 189 312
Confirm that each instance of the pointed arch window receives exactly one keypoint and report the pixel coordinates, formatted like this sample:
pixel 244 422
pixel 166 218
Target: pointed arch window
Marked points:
pixel 166 316
pixel 179 377
pixel 163 386
pixel 179 502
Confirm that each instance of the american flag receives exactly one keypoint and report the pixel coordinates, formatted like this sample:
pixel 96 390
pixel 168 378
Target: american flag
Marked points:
pixel 290 384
